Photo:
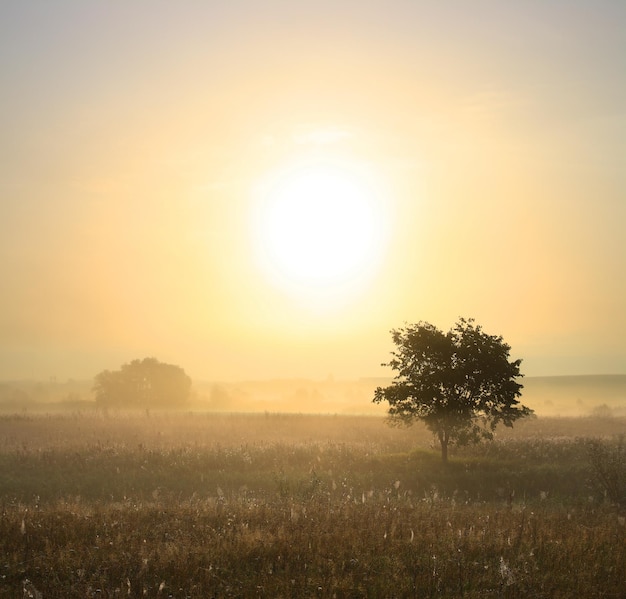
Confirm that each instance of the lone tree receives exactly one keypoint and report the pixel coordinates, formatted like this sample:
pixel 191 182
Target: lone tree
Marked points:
pixel 145 383
pixel 460 383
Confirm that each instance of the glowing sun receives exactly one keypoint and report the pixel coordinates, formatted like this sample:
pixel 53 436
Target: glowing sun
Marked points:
pixel 320 226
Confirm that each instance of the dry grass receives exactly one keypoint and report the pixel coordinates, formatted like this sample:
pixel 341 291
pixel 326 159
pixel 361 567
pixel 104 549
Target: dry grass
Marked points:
pixel 273 505
pixel 388 545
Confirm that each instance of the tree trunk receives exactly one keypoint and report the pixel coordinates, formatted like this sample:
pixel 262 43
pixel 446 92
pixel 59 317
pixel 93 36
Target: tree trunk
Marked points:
pixel 443 440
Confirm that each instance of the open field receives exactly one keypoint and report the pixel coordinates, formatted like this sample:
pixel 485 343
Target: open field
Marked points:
pixel 277 505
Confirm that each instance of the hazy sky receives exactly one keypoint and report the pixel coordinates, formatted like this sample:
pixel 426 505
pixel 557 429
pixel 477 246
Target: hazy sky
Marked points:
pixel 143 145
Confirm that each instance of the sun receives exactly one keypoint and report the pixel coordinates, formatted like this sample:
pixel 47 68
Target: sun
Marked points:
pixel 320 227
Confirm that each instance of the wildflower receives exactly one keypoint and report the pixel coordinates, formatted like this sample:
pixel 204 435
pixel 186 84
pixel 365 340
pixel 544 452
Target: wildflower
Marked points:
pixel 30 592
pixel 506 573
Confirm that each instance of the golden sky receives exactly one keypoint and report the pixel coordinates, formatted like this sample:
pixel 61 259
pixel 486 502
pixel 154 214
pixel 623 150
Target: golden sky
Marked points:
pixel 154 157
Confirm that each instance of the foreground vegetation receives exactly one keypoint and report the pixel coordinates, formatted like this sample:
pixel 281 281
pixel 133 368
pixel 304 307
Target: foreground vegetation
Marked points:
pixel 303 506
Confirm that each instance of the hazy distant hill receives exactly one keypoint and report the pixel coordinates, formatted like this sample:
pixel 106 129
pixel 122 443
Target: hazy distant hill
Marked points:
pixel 576 395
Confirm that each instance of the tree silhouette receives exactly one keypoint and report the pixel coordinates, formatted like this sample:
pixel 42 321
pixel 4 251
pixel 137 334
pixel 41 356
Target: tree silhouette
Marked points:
pixel 460 383
pixel 145 383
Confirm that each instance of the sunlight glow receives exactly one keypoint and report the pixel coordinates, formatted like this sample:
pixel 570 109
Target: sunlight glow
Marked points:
pixel 320 227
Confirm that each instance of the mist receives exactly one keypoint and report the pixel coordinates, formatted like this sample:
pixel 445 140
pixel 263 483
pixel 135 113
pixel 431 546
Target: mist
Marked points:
pixel 599 396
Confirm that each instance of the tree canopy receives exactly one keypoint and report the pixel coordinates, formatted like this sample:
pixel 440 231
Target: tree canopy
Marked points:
pixel 461 384
pixel 145 383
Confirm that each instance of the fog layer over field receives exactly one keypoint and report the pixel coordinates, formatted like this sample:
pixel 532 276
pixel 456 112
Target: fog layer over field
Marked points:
pixel 601 395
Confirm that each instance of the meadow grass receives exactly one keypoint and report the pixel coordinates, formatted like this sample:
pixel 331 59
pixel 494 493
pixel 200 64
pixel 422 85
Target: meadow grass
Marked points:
pixel 275 505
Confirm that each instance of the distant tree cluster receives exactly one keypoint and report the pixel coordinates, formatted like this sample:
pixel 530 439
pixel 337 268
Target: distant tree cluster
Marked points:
pixel 461 384
pixel 145 383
